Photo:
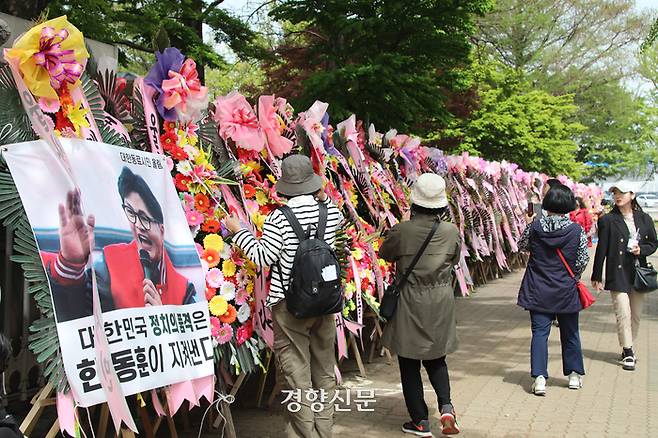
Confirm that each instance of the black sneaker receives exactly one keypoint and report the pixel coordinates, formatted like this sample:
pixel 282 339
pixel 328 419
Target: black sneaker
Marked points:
pixel 422 428
pixel 449 424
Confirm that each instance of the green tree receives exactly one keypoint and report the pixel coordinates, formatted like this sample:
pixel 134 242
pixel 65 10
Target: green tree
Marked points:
pixel 392 61
pixel 135 24
pixel 518 123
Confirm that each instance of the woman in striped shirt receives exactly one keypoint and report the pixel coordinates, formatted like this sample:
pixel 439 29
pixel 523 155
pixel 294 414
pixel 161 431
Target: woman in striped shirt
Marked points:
pixel 304 348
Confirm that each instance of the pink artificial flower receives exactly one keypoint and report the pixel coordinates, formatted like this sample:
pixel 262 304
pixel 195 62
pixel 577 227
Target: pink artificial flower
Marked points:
pixel 215 326
pixel 194 218
pixel 189 201
pixel 214 278
pixel 184 92
pixel 237 120
pixel 170 163
pixel 273 126
pixel 311 121
pixel 241 296
pixel 242 277
pixel 224 334
pixel 199 248
pixel 49 105
pixel 347 129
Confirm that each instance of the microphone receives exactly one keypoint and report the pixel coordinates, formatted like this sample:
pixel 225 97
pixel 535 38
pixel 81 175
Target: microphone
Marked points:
pixel 145 259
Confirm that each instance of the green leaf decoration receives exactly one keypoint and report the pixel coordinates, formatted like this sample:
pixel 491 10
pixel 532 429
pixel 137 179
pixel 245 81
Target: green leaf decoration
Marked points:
pixel 139 135
pixel 116 102
pixel 15 126
pixel 43 340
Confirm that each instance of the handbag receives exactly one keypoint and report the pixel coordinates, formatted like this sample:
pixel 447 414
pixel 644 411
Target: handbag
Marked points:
pixel 586 297
pixel 645 277
pixel 392 293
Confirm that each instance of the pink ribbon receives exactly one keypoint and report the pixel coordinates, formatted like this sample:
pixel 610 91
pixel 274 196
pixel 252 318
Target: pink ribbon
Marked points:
pixel 182 85
pixel 60 64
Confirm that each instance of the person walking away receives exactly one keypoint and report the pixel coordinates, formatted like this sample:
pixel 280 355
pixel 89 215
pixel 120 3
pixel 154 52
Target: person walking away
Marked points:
pixel 8 425
pixel 582 217
pixel 548 290
pixel 304 348
pixel 423 328
pixel 626 234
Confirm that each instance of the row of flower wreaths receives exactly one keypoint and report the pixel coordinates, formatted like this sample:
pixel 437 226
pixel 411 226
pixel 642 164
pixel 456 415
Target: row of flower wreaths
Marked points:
pixel 225 156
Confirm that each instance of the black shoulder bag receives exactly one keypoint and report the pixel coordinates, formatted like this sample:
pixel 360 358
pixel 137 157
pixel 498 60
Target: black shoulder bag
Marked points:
pixel 645 277
pixel 392 293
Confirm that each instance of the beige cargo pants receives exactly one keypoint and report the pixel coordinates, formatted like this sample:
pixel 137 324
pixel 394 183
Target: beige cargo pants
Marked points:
pixel 304 351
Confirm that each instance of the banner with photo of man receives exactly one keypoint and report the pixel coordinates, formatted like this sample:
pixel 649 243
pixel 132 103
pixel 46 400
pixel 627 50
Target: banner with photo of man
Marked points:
pixel 145 264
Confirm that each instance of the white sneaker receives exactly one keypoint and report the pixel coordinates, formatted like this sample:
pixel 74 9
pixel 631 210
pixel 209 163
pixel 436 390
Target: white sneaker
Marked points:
pixel 539 387
pixel 575 381
pixel 628 363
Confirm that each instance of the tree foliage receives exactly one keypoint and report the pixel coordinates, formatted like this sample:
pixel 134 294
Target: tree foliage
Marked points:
pixel 392 61
pixel 519 123
pixel 135 25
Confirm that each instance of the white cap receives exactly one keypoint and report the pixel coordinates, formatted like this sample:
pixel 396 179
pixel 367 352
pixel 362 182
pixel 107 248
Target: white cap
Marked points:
pixel 622 187
pixel 429 191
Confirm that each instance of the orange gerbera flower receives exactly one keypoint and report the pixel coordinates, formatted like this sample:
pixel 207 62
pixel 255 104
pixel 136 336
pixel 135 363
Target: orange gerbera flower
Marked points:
pixel 229 316
pixel 249 190
pixel 211 257
pixel 201 202
pixel 210 226
pixel 169 126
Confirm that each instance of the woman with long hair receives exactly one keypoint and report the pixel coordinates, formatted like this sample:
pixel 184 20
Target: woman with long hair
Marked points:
pixel 558 248
pixel 626 235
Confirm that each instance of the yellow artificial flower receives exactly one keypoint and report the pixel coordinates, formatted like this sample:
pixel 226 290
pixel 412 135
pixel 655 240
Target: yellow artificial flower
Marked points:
pixel 258 220
pixel 213 241
pixel 354 199
pixel 77 116
pixel 218 305
pixel 350 288
pixel 250 287
pixel 254 166
pixel 228 268
pixel 202 159
pixel 36 77
pixel 261 197
pixel 357 254
pixel 271 178
pixel 382 263
pixel 375 245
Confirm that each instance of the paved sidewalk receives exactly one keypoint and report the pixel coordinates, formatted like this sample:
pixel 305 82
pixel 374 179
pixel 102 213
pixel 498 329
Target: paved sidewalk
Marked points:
pixel 491 380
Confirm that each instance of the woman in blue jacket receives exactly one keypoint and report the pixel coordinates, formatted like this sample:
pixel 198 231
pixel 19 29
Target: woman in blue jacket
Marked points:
pixel 549 291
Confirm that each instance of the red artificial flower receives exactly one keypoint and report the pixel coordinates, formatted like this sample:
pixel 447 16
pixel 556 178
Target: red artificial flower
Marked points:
pixel 245 332
pixel 249 190
pixel 210 292
pixel 62 122
pixel 178 154
pixel 211 257
pixel 201 202
pixel 210 226
pixel 182 182
pixel 169 126
pixel 230 315
pixel 168 140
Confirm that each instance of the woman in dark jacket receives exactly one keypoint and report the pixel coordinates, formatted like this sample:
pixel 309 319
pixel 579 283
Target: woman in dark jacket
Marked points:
pixel 625 234
pixel 423 328
pixel 549 291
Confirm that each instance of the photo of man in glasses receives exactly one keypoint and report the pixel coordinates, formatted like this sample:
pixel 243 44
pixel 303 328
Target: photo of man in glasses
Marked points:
pixel 135 274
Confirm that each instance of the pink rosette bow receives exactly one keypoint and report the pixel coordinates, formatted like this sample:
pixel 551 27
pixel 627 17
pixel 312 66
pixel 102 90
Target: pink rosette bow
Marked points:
pixel 184 92
pixel 60 64
pixel 237 120
pixel 272 125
